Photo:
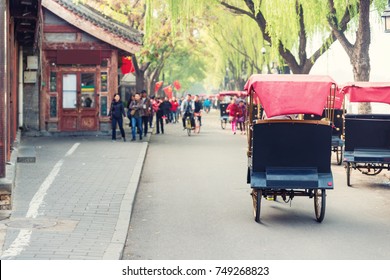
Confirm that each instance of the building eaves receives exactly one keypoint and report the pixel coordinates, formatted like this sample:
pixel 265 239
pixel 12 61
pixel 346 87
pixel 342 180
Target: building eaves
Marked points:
pixel 97 18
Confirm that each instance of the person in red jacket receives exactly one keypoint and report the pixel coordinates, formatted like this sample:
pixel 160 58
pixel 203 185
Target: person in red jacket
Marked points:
pixel 174 106
pixel 232 109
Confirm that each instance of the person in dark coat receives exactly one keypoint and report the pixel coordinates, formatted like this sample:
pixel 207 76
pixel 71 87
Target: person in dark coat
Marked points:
pixel 147 111
pixel 159 116
pixel 117 112
pixel 136 120
pixel 166 107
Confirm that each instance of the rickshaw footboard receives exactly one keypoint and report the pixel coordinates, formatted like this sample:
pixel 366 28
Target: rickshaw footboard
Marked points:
pixel 278 179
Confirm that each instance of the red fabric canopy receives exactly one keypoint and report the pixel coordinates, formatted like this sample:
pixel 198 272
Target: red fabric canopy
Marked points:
pixel 339 99
pixel 367 92
pixel 237 93
pixel 291 94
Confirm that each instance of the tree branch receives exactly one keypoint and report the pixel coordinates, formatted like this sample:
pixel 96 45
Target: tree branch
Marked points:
pixel 237 10
pixel 337 30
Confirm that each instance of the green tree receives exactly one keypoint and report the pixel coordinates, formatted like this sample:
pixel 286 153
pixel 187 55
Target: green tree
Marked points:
pixel 357 51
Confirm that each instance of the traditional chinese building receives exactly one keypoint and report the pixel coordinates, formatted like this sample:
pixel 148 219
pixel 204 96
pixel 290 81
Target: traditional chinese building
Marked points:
pixel 58 68
pixel 80 53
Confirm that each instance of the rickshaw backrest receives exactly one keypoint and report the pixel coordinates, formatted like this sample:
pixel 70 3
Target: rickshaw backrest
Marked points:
pixel 367 131
pixel 337 120
pixel 291 145
pixel 223 107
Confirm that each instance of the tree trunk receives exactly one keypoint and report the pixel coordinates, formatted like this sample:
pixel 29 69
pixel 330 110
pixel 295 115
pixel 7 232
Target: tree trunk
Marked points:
pixel 139 81
pixel 359 51
pixel 139 73
pixel 361 72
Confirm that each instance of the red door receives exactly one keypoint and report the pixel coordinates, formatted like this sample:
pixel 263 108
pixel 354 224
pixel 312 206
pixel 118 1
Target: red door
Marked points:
pixel 78 107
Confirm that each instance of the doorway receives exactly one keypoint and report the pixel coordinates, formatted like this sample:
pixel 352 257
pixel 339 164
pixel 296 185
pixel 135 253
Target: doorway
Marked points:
pixel 78 105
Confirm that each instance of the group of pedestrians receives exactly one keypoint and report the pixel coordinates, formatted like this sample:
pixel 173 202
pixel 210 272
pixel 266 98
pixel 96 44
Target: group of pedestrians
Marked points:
pixel 141 110
pixel 237 114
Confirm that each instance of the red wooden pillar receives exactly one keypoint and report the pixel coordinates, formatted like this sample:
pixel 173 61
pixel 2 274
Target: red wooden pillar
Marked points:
pixel 3 83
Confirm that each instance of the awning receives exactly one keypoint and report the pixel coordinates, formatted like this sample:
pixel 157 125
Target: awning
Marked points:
pixel 367 92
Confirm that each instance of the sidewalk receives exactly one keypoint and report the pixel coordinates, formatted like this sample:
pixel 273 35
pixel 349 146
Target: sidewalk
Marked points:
pixel 75 201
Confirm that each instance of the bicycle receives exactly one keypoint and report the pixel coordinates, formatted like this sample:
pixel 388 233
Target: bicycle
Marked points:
pixel 188 125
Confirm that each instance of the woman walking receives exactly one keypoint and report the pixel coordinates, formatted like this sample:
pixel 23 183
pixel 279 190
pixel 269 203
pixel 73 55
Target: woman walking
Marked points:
pixel 117 112
pixel 241 116
pixel 232 109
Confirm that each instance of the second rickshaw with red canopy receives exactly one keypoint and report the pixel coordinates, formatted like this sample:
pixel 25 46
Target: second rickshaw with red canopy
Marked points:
pixel 224 102
pixel 367 136
pixel 290 157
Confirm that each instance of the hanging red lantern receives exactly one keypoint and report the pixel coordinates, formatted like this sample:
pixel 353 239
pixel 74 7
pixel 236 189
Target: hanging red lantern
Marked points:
pixel 177 85
pixel 127 65
pixel 168 91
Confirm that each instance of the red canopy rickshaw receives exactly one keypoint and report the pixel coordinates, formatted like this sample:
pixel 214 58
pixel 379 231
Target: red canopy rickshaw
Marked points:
pixel 290 157
pixel 367 136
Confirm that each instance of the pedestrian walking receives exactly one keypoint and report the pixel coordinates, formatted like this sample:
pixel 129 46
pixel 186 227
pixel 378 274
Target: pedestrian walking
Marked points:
pixel 198 107
pixel 232 109
pixel 147 111
pixel 153 111
pixel 159 116
pixel 174 108
pixel 136 116
pixel 117 112
pixel 128 108
pixel 241 116
pixel 166 107
pixel 207 105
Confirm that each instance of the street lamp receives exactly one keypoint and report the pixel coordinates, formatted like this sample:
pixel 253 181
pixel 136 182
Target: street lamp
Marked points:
pixel 386 16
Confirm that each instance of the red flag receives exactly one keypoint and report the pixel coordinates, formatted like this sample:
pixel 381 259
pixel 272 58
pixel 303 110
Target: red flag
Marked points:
pixel 127 65
pixel 168 91
pixel 157 86
pixel 176 84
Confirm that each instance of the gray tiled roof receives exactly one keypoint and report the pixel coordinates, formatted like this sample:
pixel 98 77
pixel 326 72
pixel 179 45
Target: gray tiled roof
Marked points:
pixel 107 23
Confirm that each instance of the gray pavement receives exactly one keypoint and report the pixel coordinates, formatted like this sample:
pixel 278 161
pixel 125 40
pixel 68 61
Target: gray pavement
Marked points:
pixel 75 201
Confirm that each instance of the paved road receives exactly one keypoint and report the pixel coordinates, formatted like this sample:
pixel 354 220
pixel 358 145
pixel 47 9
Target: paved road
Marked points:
pixel 193 203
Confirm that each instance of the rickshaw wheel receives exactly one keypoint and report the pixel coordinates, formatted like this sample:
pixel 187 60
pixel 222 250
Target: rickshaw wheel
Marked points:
pixel 339 155
pixel 372 169
pixel 223 123
pixel 256 199
pixel 348 169
pixel 319 204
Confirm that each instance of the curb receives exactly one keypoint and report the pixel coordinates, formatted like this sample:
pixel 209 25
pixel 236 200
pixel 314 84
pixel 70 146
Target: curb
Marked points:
pixel 118 241
pixel 7 183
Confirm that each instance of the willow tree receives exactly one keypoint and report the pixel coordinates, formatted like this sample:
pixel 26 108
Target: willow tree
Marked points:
pixel 288 26
pixel 240 47
pixel 357 51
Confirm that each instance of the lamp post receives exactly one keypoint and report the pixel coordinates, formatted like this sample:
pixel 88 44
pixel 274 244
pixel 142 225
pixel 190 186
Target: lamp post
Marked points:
pixel 386 16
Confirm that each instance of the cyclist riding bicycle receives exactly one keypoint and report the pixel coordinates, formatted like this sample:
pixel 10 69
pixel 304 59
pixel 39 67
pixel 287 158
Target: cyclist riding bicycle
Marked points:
pixel 187 108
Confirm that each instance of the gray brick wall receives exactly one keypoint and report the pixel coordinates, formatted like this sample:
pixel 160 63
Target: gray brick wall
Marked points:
pixel 31 106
